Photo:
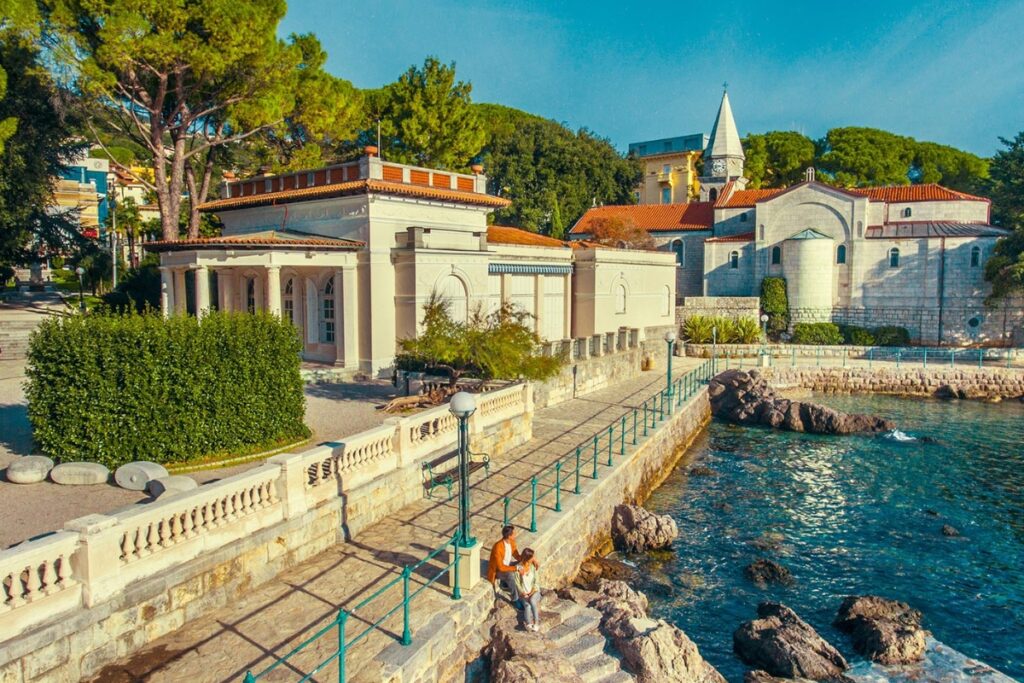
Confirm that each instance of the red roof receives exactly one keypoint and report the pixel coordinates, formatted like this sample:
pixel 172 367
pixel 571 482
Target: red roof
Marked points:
pixel 500 234
pixel 930 192
pixel 742 237
pixel 746 198
pixel 256 240
pixel 653 217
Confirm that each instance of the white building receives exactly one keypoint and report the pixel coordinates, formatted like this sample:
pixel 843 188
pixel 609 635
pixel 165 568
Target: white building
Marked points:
pixel 350 253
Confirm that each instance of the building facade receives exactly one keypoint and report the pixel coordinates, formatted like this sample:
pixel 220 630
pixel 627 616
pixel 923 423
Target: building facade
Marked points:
pixel 350 253
pixel 669 169
pixel 911 256
pixel 82 187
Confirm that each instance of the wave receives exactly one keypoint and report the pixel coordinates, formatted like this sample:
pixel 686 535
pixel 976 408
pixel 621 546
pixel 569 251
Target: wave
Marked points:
pixel 941 663
pixel 897 435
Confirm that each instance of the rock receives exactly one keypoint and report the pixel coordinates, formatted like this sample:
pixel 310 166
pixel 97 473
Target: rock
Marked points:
pixel 885 631
pixel 603 568
pixel 80 473
pixel 765 677
pixel 176 483
pixel 949 530
pixel 763 571
pixel 702 471
pixel 30 469
pixel 783 644
pixel 950 392
pixel 932 513
pixel 770 541
pixel 135 476
pixel 523 656
pixel 746 398
pixel 635 530
pixel 657 651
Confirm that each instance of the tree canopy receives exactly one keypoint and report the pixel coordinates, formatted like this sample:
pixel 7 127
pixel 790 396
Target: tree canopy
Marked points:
pixel 1005 269
pixel 777 158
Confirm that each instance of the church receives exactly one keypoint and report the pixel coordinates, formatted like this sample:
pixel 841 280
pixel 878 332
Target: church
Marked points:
pixel 911 255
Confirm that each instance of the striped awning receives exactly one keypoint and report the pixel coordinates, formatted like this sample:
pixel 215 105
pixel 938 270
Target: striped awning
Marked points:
pixel 528 269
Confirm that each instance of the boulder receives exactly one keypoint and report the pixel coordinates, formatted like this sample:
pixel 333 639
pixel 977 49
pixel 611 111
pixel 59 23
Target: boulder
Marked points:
pixel 80 473
pixel 176 483
pixel 635 530
pixel 885 631
pixel 949 530
pixel 702 471
pixel 523 656
pixel 783 644
pixel 603 568
pixel 759 676
pixel 763 572
pixel 656 651
pixel 30 469
pixel 747 398
pixel 135 476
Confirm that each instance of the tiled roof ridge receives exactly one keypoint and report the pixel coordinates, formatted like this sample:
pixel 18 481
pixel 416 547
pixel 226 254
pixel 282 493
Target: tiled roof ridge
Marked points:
pixel 741 237
pixel 262 238
pixel 507 234
pixel 653 217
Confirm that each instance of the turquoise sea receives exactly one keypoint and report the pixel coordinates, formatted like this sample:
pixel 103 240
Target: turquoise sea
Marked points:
pixel 851 515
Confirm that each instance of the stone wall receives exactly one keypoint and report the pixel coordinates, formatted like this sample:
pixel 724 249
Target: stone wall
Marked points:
pixel 980 383
pixel 726 306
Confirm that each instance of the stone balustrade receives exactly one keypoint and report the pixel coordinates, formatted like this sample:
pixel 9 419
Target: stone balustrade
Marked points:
pixel 36 577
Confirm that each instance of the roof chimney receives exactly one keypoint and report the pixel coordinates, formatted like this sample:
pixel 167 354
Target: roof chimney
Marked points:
pixel 477 168
pixel 370 150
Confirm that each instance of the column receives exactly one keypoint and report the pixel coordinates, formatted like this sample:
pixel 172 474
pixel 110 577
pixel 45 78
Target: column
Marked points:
pixel 274 290
pixel 202 274
pixel 538 304
pixel 226 283
pixel 179 292
pixel 348 309
pixel 567 306
pixel 166 291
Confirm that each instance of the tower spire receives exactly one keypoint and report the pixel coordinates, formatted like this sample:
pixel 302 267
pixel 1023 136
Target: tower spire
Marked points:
pixel 725 138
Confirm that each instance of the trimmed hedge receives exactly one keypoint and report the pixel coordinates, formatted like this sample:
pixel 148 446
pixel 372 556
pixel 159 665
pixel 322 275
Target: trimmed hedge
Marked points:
pixel 112 389
pixel 817 333
pixel 857 336
pixel 891 335
pixel 775 304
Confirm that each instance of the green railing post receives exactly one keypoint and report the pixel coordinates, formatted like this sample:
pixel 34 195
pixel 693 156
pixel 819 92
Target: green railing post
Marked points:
pixel 846 353
pixel 504 518
pixel 456 588
pixel 817 357
pixel 793 364
pixel 898 353
pixel 558 487
pixel 871 357
pixel 926 356
pixel 533 504
pixel 981 356
pixel 951 358
pixel 406 573
pixel 342 618
pixel 635 412
pixel 576 488
pixel 594 475
pixel 611 440
pixel 249 678
pixel 622 436
pixel 645 418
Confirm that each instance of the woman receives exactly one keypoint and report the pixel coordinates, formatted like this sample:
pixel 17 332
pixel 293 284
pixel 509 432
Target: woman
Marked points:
pixel 528 586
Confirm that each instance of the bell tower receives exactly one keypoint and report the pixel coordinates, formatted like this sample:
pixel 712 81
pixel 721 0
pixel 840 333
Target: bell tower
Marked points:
pixel 723 158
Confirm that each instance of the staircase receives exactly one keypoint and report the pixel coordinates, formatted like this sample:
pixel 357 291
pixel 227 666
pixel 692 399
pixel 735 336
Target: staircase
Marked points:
pixel 14 336
pixel 20 315
pixel 574 630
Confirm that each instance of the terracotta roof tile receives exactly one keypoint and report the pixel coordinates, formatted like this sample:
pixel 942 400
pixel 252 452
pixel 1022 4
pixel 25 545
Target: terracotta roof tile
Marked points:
pixel 742 237
pixel 930 192
pixel 747 198
pixel 256 240
pixel 354 187
pixel 933 229
pixel 500 234
pixel 653 217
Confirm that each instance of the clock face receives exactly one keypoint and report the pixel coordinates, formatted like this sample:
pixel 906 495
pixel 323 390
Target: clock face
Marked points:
pixel 718 167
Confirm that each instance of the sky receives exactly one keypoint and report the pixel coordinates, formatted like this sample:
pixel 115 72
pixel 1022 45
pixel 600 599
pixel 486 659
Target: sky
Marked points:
pixel 950 72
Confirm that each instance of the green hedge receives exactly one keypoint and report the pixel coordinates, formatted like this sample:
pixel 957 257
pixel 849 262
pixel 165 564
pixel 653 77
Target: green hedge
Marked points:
pixel 112 389
pixel 775 304
pixel 817 333
pixel 857 336
pixel 891 335
pixel 701 329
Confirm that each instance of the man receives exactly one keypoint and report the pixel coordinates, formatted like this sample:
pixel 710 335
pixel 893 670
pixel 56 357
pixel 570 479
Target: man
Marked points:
pixel 504 556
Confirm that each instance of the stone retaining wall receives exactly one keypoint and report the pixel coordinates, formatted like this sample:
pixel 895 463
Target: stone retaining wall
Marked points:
pixel 725 306
pixel 980 383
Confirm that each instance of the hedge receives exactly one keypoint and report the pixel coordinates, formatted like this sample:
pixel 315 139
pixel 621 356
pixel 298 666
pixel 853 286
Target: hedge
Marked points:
pixel 891 335
pixel 112 389
pixel 817 333
pixel 701 329
pixel 775 304
pixel 857 336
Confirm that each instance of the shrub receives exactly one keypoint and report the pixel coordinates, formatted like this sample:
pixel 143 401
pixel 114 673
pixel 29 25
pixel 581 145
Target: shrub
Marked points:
pixel 112 389
pixel 697 329
pixel 817 333
pixel 891 335
pixel 775 304
pixel 858 336
pixel 702 329
pixel 747 331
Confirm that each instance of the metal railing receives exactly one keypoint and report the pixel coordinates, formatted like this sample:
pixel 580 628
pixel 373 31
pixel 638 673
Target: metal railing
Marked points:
pixel 911 356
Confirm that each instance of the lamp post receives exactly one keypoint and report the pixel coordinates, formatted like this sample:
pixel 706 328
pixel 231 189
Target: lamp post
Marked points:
pixel 764 325
pixel 714 347
pixel 462 406
pixel 670 339
pixel 80 271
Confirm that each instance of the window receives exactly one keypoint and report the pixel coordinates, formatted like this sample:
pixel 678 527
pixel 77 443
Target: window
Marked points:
pixel 907 212
pixel 636 197
pixel 289 301
pixel 973 323
pixel 667 168
pixel 667 309
pixel 713 195
pixel 454 291
pixel 841 254
pixel 679 249
pixel 776 255
pixel 250 294
pixel 620 298
pixel 734 260
pixel 743 217
pixel 894 258
pixel 975 257
pixel 666 195
pixel 327 313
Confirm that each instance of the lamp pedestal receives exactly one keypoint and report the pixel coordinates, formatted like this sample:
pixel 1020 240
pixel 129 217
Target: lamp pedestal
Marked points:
pixel 469 565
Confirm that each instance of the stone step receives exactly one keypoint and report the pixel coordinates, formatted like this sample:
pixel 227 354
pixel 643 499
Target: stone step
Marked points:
pixel 584 647
pixel 571 628
pixel 597 668
pixel 619 676
pixel 558 612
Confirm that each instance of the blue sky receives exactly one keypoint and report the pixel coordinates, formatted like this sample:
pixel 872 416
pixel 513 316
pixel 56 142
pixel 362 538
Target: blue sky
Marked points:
pixel 951 72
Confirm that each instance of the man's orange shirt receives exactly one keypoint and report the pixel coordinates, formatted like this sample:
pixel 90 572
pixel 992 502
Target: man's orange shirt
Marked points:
pixel 496 563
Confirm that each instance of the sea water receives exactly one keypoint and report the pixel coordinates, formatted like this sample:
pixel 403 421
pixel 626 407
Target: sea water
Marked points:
pixel 855 515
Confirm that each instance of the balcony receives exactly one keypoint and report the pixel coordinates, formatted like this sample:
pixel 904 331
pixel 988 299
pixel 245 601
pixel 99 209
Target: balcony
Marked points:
pixel 665 177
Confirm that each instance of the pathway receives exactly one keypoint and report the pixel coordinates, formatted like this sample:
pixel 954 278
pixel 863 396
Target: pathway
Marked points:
pixel 223 645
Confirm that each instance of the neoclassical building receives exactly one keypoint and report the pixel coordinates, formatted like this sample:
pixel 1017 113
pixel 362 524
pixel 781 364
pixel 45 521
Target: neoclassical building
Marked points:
pixel 350 253
pixel 908 255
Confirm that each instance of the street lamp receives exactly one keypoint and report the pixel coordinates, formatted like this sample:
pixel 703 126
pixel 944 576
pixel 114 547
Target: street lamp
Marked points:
pixel 81 297
pixel 714 347
pixel 670 339
pixel 462 406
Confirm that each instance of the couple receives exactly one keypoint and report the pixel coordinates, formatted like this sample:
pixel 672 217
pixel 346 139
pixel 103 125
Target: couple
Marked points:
pixel 518 572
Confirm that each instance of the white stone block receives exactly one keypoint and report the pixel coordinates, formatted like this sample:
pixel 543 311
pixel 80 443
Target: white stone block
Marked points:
pixel 135 476
pixel 469 566
pixel 30 469
pixel 165 486
pixel 80 473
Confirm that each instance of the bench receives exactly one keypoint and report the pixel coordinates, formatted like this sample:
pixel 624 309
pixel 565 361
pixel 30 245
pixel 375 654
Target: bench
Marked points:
pixel 436 476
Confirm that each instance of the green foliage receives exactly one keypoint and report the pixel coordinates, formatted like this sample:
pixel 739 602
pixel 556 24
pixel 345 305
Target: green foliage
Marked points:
pixel 775 304
pixel 498 345
pixel 138 290
pixel 857 336
pixel 948 166
pixel 891 335
pixel 777 158
pixel 551 174
pixel 817 333
pixel 112 389
pixel 702 329
pixel 698 329
pixel 746 331
pixel 1005 268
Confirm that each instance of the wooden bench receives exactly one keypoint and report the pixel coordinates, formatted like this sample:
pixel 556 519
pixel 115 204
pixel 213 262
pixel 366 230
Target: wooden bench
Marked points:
pixel 436 476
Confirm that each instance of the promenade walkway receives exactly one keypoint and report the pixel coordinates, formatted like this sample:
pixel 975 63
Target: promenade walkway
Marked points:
pixel 274 618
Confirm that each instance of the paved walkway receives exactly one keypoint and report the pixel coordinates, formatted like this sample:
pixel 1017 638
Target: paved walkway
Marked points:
pixel 277 616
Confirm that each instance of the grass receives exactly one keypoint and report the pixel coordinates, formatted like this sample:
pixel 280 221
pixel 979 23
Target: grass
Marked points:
pixel 222 459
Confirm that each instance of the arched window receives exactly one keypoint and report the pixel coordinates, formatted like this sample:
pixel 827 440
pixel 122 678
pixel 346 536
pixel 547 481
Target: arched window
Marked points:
pixel 679 249
pixel 327 313
pixel 289 301
pixel 776 255
pixel 975 257
pixel 894 258
pixel 667 310
pixel 907 212
pixel 250 294
pixel 743 217
pixel 841 254
pixel 620 298
pixel 713 195
pixel 734 260
pixel 454 291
